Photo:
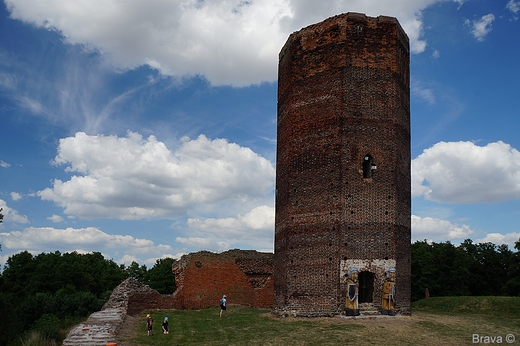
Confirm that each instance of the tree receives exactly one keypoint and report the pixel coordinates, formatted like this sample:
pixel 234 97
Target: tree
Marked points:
pixel 512 286
pixel 37 291
pixel 160 277
pixel 17 274
pixel 135 271
pixel 467 269
pixel 423 269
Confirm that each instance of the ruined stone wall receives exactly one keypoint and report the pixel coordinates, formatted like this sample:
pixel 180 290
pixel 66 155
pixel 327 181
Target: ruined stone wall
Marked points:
pixel 245 277
pixel 101 327
pixel 343 96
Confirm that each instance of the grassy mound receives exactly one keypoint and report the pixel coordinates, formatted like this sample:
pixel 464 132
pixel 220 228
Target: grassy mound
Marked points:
pixel 497 307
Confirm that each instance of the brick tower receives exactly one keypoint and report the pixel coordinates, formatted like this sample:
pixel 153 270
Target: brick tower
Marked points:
pixel 343 165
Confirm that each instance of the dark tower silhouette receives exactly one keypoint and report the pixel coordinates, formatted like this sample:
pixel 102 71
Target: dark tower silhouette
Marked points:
pixel 343 165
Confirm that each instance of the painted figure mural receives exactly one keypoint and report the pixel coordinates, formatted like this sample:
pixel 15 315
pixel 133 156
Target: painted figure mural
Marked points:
pixel 388 302
pixel 351 304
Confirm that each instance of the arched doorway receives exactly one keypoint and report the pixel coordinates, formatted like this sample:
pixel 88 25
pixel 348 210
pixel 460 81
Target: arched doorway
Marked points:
pixel 366 287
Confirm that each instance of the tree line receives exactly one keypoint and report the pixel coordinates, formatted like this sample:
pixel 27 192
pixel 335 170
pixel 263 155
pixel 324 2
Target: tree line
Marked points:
pixel 50 292
pixel 469 269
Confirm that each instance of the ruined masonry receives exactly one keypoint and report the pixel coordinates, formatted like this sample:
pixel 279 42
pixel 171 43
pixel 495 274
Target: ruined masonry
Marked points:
pixel 245 276
pixel 343 166
pixel 101 327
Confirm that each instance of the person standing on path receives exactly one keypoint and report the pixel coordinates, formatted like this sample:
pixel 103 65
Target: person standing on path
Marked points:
pixel 223 302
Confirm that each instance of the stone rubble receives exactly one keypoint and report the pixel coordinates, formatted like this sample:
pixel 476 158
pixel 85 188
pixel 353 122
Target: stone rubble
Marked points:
pixel 101 327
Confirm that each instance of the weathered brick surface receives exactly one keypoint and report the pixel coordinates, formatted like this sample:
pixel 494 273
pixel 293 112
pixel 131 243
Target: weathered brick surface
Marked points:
pixel 133 297
pixel 245 277
pixel 343 93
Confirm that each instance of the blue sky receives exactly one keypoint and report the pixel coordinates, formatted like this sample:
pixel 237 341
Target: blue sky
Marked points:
pixel 148 129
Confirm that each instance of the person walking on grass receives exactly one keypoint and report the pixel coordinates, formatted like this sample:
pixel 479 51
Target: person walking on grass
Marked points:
pixel 223 302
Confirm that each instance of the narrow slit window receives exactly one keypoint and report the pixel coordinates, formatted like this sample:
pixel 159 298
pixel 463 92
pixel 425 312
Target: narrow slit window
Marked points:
pixel 368 166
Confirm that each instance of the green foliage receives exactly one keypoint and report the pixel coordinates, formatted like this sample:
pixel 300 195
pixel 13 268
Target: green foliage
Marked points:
pixel 8 327
pixel 160 276
pixel 49 291
pixel 470 269
pixel 512 286
pixel 34 338
pixel 135 271
pixel 25 275
pixel 49 326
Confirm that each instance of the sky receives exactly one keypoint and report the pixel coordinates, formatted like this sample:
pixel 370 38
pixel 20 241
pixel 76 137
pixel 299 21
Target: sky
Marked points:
pixel 147 129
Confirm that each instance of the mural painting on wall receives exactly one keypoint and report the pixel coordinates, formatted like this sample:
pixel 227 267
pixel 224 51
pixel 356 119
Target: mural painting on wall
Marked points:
pixel 351 304
pixel 388 299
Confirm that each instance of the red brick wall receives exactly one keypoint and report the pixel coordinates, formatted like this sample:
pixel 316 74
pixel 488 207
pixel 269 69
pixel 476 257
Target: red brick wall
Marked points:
pixel 343 93
pixel 245 277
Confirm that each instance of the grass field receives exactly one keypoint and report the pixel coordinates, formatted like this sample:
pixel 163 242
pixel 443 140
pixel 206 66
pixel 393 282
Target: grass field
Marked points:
pixel 435 321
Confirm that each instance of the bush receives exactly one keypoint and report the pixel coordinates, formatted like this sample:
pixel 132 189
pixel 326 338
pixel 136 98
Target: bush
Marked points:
pixel 48 326
pixel 34 338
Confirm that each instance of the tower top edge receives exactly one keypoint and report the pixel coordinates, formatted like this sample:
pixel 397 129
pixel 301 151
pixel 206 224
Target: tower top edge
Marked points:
pixel 350 18
pixel 353 17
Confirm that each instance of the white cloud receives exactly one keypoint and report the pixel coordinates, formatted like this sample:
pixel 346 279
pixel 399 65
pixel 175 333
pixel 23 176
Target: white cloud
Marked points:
pixel 89 239
pixel 257 220
pixel 55 218
pixel 480 28
pixel 135 178
pixel 15 196
pixel 438 230
pixel 253 230
pixel 197 242
pixel 499 239
pixel 513 6
pixel 229 42
pixel 462 172
pixel 4 164
pixel 417 89
pixel 460 2
pixel 11 215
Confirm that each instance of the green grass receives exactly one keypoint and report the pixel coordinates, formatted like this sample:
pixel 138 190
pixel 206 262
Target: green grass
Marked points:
pixel 498 307
pixel 435 321
pixel 240 326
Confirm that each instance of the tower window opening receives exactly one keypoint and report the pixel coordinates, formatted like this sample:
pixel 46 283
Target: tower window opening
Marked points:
pixel 368 166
